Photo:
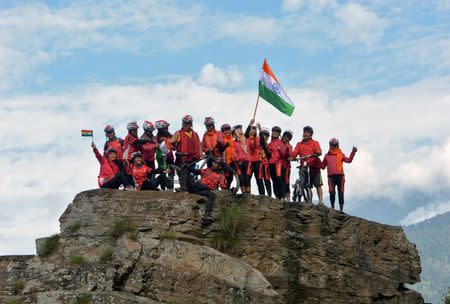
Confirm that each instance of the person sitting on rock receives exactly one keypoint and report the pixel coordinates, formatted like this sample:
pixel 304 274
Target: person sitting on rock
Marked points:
pixel 113 142
pixel 334 161
pixel 211 179
pixel 112 174
pixel 144 176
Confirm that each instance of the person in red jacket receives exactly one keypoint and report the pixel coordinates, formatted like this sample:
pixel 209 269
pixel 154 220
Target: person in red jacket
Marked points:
pixel 144 176
pixel 189 149
pixel 286 159
pixel 308 146
pixel 211 139
pixel 111 175
pixel 130 140
pixel 264 174
pixel 113 142
pixel 243 157
pixel 256 153
pixel 277 150
pixel 211 179
pixel 163 135
pixel 148 149
pixel 334 161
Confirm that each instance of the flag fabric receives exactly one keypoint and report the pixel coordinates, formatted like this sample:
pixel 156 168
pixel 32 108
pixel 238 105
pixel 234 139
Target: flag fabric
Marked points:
pixel 87 133
pixel 271 91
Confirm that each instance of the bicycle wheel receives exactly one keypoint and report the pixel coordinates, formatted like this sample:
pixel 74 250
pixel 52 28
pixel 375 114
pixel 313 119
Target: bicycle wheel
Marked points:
pixel 174 177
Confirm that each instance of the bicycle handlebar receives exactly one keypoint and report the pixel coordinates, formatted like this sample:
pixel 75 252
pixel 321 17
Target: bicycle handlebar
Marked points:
pixel 303 157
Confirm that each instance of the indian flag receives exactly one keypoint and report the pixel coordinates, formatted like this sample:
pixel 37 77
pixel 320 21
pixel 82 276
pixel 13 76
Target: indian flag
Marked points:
pixel 87 133
pixel 271 90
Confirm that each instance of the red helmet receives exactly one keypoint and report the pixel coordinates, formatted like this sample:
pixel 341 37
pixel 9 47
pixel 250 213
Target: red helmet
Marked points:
pixel 334 142
pixel 187 119
pixel 148 126
pixel 161 124
pixel 225 127
pixel 109 129
pixel 132 126
pixel 209 121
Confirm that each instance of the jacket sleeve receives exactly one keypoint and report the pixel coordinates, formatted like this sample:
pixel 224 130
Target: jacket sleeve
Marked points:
pixel 99 157
pixel 348 159
pixel 247 131
pixel 204 147
pixel 317 148
pixel 295 153
pixel 105 147
pixel 324 163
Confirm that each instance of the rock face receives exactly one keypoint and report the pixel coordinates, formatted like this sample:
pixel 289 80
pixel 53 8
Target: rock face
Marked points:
pixel 150 247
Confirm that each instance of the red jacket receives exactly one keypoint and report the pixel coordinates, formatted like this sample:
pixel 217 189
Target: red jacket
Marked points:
pixel 116 144
pixel 148 150
pixel 140 174
pixel 277 150
pixel 287 154
pixel 308 147
pixel 189 143
pixel 330 161
pixel 210 142
pixel 128 146
pixel 255 149
pixel 108 168
pixel 212 179
pixel 242 155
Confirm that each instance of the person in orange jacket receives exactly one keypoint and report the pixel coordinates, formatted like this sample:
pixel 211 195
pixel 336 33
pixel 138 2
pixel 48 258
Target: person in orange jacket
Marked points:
pixel 144 176
pixel 308 146
pixel 243 157
pixel 113 142
pixel 286 160
pixel 229 152
pixel 256 153
pixel 211 139
pixel 189 149
pixel 112 174
pixel 264 173
pixel 333 162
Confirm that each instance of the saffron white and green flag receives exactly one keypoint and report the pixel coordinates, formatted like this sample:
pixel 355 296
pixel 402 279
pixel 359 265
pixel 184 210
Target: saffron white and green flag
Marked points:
pixel 271 91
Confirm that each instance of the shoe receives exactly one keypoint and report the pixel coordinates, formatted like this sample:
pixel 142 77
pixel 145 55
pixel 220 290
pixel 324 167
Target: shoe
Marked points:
pixel 129 188
pixel 207 219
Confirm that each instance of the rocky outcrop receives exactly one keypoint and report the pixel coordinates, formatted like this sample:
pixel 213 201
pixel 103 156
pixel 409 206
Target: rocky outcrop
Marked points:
pixel 150 247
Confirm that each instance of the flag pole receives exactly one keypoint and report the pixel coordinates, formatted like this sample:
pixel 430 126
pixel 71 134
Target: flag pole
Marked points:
pixel 256 106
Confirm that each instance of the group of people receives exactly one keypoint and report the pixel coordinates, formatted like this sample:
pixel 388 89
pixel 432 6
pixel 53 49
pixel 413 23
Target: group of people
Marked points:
pixel 150 161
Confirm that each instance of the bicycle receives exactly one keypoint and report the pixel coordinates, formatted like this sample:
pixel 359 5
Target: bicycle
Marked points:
pixel 302 186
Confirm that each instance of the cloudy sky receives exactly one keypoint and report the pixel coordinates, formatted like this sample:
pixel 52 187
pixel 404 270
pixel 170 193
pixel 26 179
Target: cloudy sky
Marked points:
pixel 374 73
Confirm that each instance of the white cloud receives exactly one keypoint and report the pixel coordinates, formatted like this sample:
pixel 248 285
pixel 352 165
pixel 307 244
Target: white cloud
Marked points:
pixel 358 24
pixel 291 5
pixel 426 212
pixel 211 75
pixel 251 29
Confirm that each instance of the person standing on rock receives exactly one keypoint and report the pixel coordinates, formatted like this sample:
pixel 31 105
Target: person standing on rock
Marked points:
pixel 189 149
pixel 229 152
pixel 113 142
pixel 112 174
pixel 255 152
pixel 276 150
pixel 286 159
pixel 333 162
pixel 308 146
pixel 211 139
pixel 264 173
pixel 243 157
pixel 164 152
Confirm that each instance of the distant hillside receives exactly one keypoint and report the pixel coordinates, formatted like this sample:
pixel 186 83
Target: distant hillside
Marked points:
pixel 432 238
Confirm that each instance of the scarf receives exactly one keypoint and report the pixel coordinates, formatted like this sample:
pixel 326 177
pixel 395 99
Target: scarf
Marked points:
pixel 338 153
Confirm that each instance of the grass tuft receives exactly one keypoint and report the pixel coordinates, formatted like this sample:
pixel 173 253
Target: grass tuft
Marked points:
pixel 50 245
pixel 72 228
pixel 13 300
pixel 107 255
pixel 18 286
pixel 121 226
pixel 77 259
pixel 229 232
pixel 190 301
pixel 168 235
pixel 83 298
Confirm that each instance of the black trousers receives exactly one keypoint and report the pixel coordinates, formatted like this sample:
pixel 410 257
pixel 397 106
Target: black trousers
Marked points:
pixel 152 183
pixel 119 179
pixel 255 167
pixel 200 189
pixel 244 177
pixel 279 188
pixel 339 181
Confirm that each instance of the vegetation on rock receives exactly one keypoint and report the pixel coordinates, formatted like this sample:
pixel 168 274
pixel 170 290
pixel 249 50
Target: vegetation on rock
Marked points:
pixel 229 232
pixel 50 244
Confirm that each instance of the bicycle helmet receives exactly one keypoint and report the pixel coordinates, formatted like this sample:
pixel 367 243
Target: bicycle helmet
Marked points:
pixel 135 154
pixel 132 126
pixel 308 129
pixel 225 127
pixel 334 142
pixel 276 129
pixel 109 129
pixel 148 126
pixel 109 150
pixel 209 121
pixel 265 131
pixel 289 133
pixel 187 119
pixel 161 124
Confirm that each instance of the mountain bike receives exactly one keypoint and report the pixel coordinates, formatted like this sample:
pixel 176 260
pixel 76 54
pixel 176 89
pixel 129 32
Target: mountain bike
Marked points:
pixel 302 186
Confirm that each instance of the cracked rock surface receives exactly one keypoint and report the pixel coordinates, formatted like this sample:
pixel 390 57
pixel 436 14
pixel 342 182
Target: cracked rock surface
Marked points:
pixel 287 254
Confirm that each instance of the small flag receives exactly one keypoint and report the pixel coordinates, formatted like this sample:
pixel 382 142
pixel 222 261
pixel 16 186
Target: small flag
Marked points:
pixel 87 133
pixel 271 90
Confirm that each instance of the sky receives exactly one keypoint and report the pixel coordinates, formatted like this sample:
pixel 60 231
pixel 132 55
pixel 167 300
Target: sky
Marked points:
pixel 374 73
